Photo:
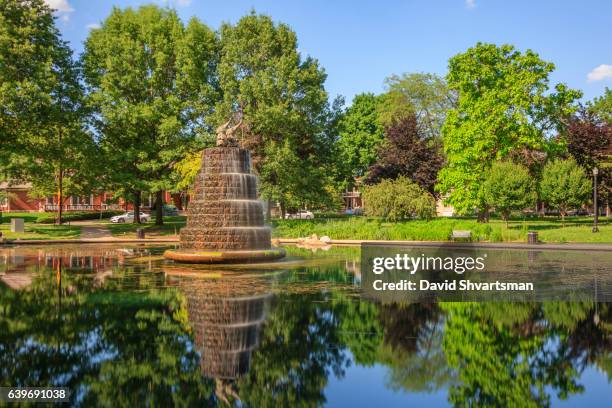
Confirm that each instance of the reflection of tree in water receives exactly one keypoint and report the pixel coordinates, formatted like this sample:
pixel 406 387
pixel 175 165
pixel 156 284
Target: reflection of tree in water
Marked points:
pixel 518 359
pixel 413 347
pixel 300 349
pixel 110 348
pixel 143 346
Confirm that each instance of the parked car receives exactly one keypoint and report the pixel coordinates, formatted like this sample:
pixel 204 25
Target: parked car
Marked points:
pixel 170 210
pixel 354 211
pixel 300 215
pixel 129 217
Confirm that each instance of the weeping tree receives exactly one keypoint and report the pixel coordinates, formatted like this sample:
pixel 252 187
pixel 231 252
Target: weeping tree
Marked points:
pixel 151 84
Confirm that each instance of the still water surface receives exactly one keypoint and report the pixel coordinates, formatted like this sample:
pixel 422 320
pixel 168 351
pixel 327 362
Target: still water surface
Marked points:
pixel 120 326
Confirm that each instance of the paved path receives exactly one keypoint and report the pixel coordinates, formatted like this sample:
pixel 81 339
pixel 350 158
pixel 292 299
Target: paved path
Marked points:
pixel 92 230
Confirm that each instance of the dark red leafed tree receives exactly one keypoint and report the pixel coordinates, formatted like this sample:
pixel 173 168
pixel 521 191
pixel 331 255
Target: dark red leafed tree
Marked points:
pixel 405 152
pixel 589 141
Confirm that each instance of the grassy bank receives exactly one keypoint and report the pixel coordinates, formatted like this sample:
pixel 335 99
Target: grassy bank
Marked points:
pixel 550 229
pixel 42 231
pixel 34 230
pixel 576 229
pixel 172 225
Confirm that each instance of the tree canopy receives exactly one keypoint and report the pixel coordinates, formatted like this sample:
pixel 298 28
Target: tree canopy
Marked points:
pixel 509 187
pixel 407 152
pixel 505 104
pixel 425 95
pixel 282 101
pixel 43 99
pixel 151 82
pixel 361 135
pixel 564 185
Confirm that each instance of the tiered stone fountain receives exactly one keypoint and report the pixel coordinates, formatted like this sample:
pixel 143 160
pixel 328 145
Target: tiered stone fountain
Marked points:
pixel 225 221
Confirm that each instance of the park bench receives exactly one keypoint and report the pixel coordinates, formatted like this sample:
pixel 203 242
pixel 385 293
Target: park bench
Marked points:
pixel 461 235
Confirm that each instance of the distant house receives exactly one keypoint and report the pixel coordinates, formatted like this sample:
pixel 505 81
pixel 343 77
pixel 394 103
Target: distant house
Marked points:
pixel 352 199
pixel 444 210
pixel 17 198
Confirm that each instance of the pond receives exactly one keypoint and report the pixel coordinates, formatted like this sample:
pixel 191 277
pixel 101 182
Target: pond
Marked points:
pixel 119 326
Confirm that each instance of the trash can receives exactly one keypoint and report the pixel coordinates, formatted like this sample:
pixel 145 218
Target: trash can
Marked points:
pixel 140 233
pixel 532 237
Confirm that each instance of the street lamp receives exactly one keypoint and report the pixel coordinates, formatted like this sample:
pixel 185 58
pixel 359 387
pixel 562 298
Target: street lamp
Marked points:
pixel 595 209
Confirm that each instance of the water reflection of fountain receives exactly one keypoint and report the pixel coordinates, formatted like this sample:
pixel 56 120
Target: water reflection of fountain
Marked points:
pixel 226 313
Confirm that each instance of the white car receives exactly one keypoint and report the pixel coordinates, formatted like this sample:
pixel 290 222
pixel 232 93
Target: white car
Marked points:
pixel 300 215
pixel 129 217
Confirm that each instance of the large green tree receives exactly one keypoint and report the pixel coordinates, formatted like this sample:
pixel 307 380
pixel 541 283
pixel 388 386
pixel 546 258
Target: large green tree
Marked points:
pixel 281 99
pixel 602 106
pixel 29 43
pixel 361 135
pixel 152 83
pixel 504 105
pixel 564 185
pixel 509 187
pixel 42 97
pixel 423 94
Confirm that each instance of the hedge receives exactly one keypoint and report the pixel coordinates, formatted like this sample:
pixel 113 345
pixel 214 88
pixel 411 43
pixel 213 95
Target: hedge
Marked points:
pixel 49 217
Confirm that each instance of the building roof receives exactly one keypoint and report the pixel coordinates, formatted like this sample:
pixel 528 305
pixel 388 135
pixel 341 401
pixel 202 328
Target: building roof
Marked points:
pixel 14 186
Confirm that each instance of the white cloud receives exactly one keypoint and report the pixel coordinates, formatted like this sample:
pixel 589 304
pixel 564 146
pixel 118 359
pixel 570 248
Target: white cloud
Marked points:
pixel 470 4
pixel 61 7
pixel 93 26
pixel 599 73
pixel 179 3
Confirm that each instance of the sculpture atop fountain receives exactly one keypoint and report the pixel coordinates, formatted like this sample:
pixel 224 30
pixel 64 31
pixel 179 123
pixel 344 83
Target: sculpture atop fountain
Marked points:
pixel 225 219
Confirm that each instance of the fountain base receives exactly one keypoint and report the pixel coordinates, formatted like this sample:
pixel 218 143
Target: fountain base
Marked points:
pixel 217 257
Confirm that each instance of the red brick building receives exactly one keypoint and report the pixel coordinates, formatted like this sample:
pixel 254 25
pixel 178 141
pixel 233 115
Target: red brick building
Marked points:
pixel 17 198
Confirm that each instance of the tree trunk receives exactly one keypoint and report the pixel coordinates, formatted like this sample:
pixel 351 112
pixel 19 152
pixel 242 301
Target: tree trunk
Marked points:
pixel 269 211
pixel 137 195
pixel 159 208
pixel 60 185
pixel 607 206
pixel 562 212
pixel 282 208
pixel 60 196
pixel 483 215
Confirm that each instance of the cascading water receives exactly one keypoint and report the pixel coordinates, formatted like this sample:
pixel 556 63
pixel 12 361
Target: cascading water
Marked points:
pixel 225 221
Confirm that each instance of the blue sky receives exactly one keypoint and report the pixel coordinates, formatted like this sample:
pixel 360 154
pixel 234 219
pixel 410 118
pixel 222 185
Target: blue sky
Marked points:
pixel 360 43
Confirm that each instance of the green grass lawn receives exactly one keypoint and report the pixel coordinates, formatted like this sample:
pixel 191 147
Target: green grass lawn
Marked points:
pixel 42 231
pixel 36 231
pixel 550 229
pixel 172 225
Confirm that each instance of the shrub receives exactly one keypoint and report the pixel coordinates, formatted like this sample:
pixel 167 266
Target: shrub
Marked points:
pixel 398 199
pixel 509 187
pixel 49 217
pixel 564 185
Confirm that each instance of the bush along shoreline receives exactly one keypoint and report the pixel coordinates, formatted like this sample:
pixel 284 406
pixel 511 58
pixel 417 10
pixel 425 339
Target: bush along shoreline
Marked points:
pixel 440 229
pixel 49 217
